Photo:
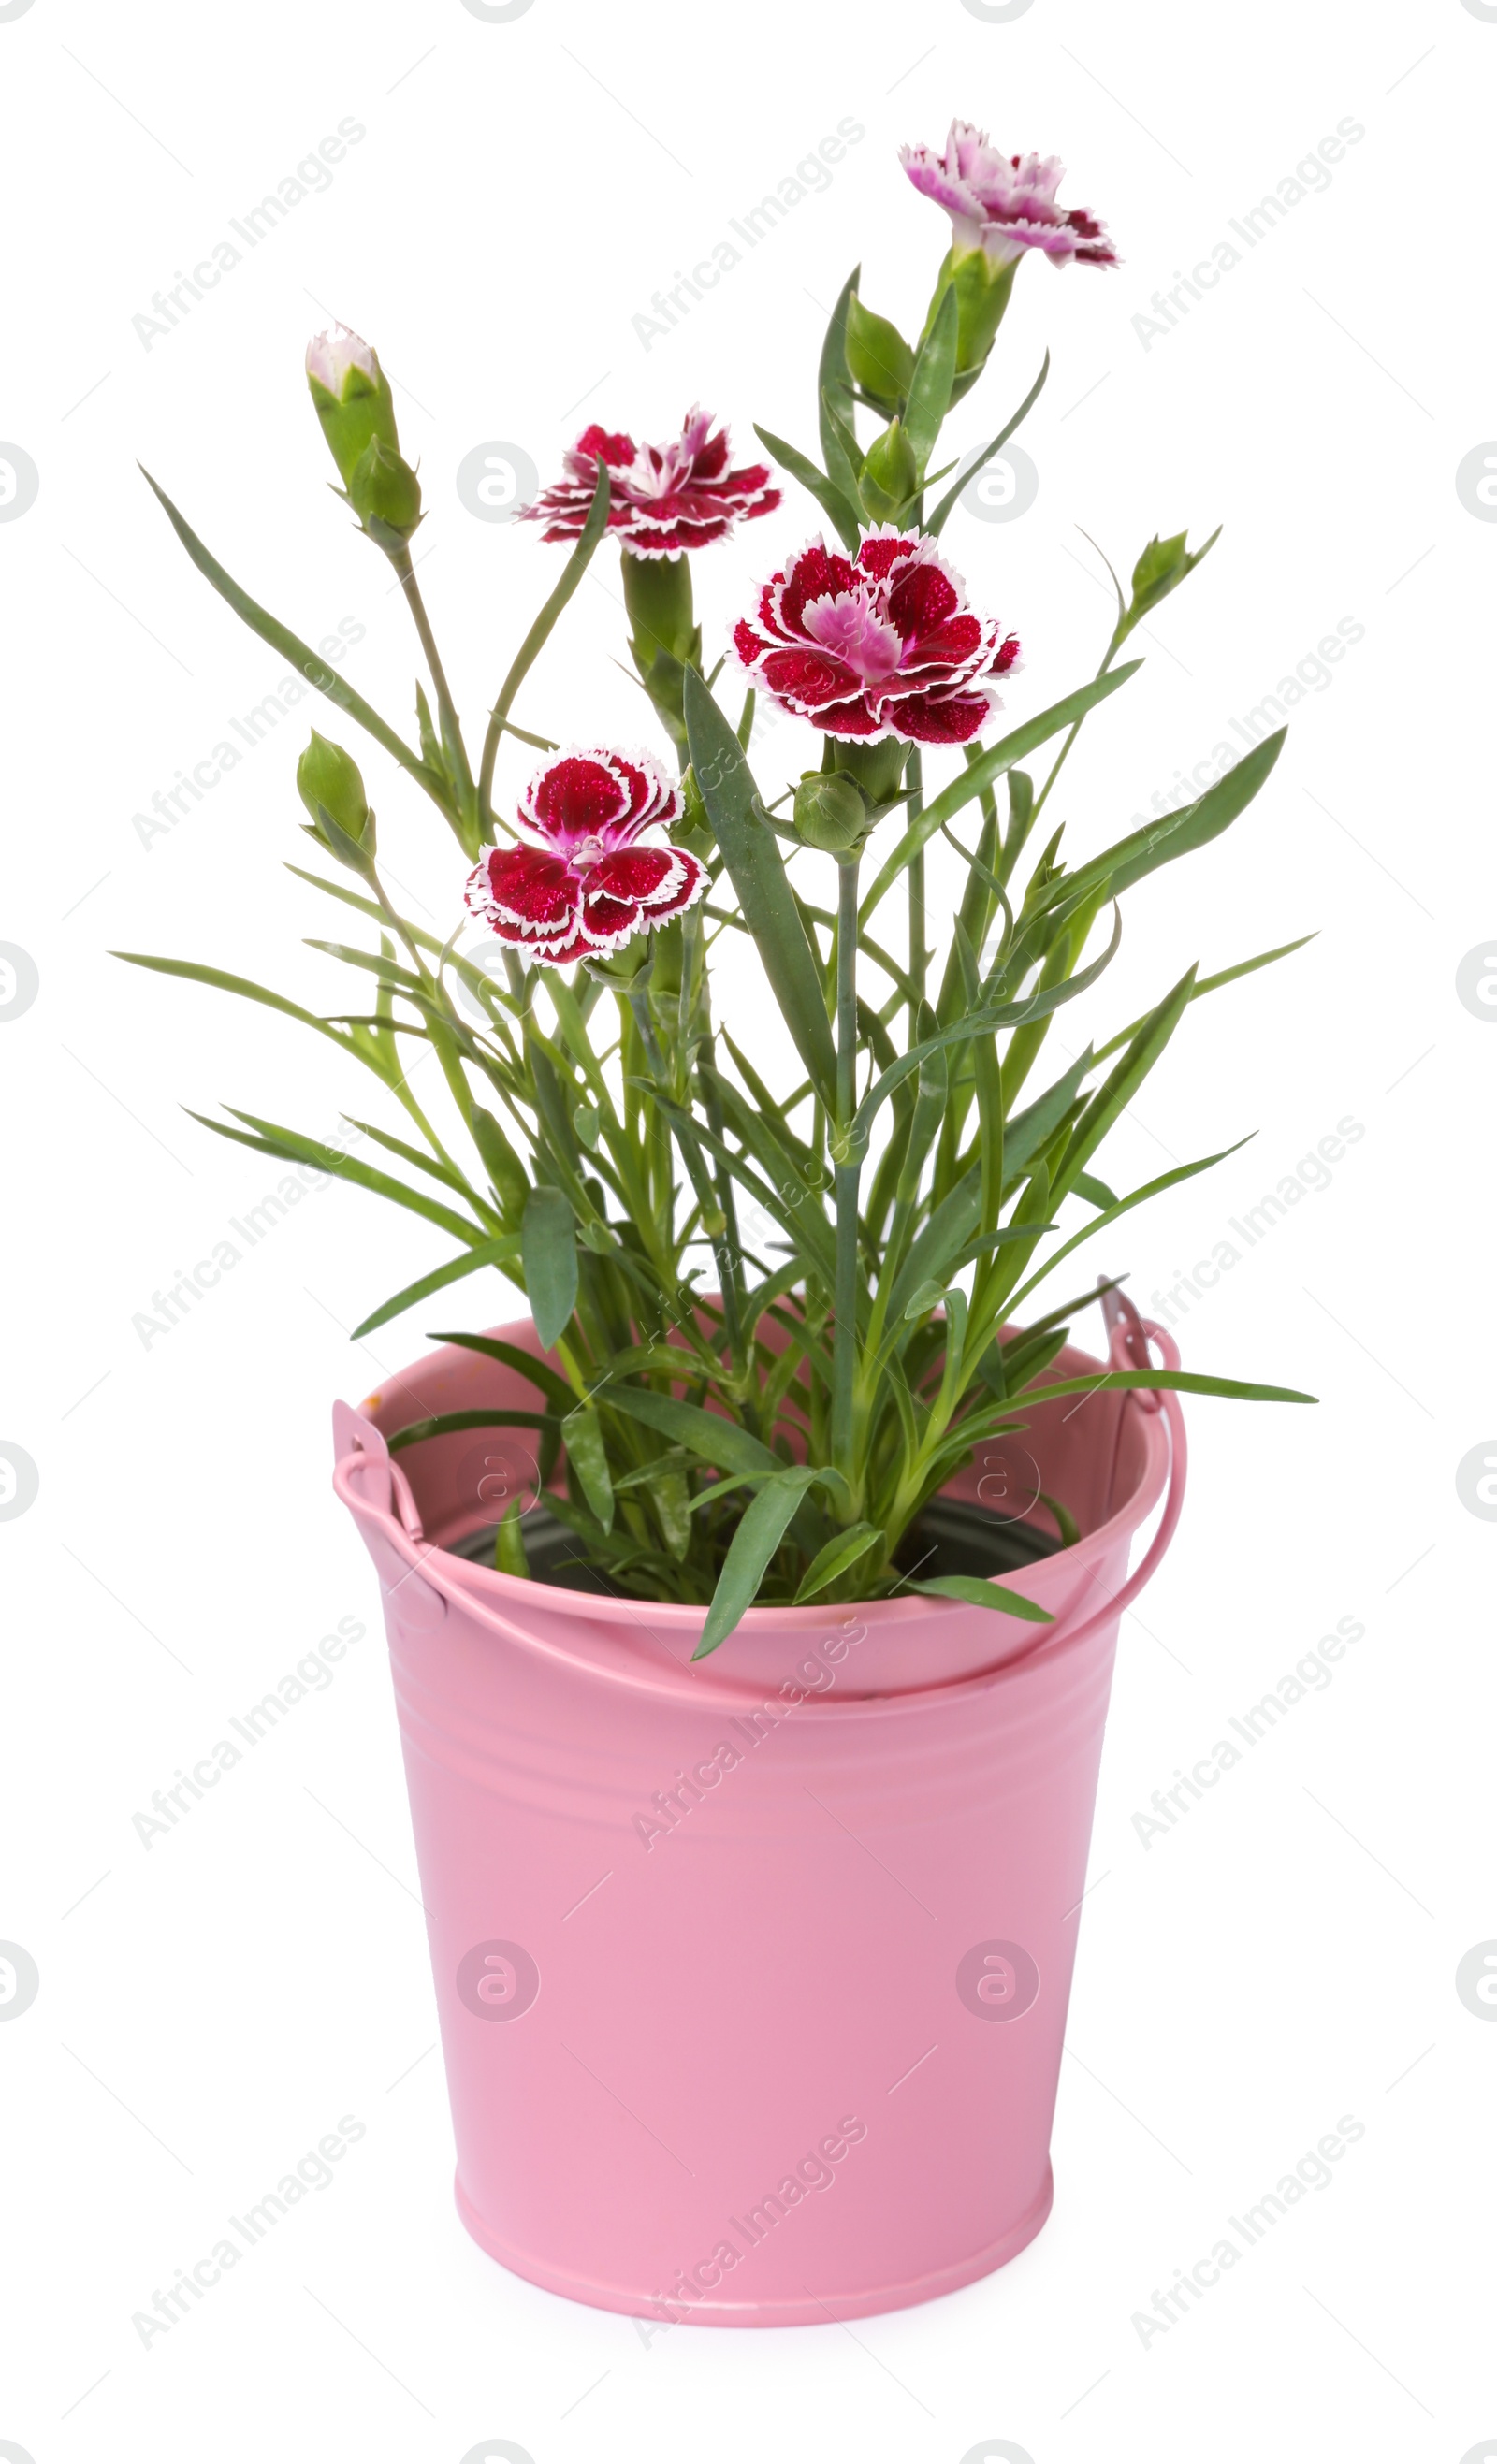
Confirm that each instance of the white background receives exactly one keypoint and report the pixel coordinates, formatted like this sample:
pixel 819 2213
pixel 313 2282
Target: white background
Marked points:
pixel 1286 1955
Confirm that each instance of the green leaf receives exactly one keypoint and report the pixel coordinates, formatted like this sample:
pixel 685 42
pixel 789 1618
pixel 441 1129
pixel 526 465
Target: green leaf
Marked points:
pixel 843 514
pixel 712 1439
pixel 215 977
pixel 305 660
pixel 538 1372
pixel 1183 1381
pixel 1066 1523
pixel 759 876
pixel 833 388
pixel 998 758
pixel 582 1434
pixel 764 1524
pixel 1213 984
pixel 1097 1192
pixel 936 523
pixel 447 1424
pixel 931 385
pixel 508 1545
pixel 1178 834
pixel 492 1253
pixel 548 1249
pixel 289 1146
pixel 842 1550
pixel 980 1594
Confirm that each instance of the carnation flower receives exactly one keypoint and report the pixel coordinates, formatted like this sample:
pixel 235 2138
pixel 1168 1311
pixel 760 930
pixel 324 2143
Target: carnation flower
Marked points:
pixel 664 497
pixel 883 645
pixel 1004 203
pixel 585 876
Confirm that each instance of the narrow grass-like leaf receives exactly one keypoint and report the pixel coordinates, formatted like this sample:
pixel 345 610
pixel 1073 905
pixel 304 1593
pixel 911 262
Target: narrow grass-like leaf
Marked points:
pixel 548 1250
pixel 980 1594
pixel 289 1146
pixel 540 633
pixel 317 672
pixel 841 513
pixel 764 1525
pixel 930 386
pixel 492 1253
pixel 935 523
pixel 587 1453
pixel 843 1550
pixel 980 774
pixel 712 1439
pixel 759 876
pixel 834 390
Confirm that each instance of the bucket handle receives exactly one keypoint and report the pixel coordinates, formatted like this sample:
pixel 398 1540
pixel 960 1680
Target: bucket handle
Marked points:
pixel 1131 1336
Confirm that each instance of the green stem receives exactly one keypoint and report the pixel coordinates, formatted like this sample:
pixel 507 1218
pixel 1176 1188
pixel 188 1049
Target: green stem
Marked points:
pixel 452 730
pixel 848 1172
pixel 914 782
pixel 1072 732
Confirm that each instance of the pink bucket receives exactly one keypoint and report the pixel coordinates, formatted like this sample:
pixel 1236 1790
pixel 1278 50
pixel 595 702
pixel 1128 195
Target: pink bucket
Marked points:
pixel 753 1975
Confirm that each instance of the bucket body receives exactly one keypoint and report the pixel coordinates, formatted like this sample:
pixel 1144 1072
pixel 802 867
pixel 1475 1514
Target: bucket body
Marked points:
pixel 752 1976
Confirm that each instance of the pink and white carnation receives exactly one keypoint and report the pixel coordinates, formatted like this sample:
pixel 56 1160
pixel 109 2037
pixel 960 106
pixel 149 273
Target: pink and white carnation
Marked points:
pixel 876 645
pixel 663 497
pixel 1005 204
pixel 592 864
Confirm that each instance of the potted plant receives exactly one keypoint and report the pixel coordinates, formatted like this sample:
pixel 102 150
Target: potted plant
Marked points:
pixel 752 1603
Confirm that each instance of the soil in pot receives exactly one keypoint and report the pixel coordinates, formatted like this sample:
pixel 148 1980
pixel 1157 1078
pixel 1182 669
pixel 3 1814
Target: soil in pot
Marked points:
pixel 951 1538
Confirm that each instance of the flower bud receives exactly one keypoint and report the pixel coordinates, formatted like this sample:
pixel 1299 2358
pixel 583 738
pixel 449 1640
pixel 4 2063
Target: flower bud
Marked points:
pixel 1160 569
pixel 891 474
pixel 328 783
pixel 879 360
pixel 877 769
pixel 983 291
pixel 351 393
pixel 829 812
pixel 385 493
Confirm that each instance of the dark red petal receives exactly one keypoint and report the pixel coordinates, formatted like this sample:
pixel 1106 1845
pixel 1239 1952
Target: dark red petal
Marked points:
pixel 877 556
pixel 945 645
pixel 1005 655
pixel 849 720
pixel 766 505
pixel 534 887
pixel 713 455
pixel 929 720
pixel 617 451
pixel 630 873
pixel 815 573
pixel 807 676
pixel 921 599
pixel 746 642
pixel 606 920
pixel 575 797
pixel 668 903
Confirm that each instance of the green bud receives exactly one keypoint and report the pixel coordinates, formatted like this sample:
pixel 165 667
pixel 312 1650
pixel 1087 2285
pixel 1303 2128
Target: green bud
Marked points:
pixel 328 781
pixel 982 293
pixel 890 475
pixel 352 396
pixel 878 769
pixel 879 360
pixel 385 493
pixel 1160 569
pixel 829 812
pixel 657 593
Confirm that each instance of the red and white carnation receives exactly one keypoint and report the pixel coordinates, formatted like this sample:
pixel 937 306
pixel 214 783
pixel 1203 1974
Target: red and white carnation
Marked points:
pixel 1005 204
pixel 663 497
pixel 880 645
pixel 592 864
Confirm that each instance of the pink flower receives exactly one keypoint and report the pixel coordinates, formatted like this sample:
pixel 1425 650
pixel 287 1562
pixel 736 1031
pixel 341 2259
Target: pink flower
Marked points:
pixel 665 497
pixel 585 876
pixel 880 646
pixel 1004 203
